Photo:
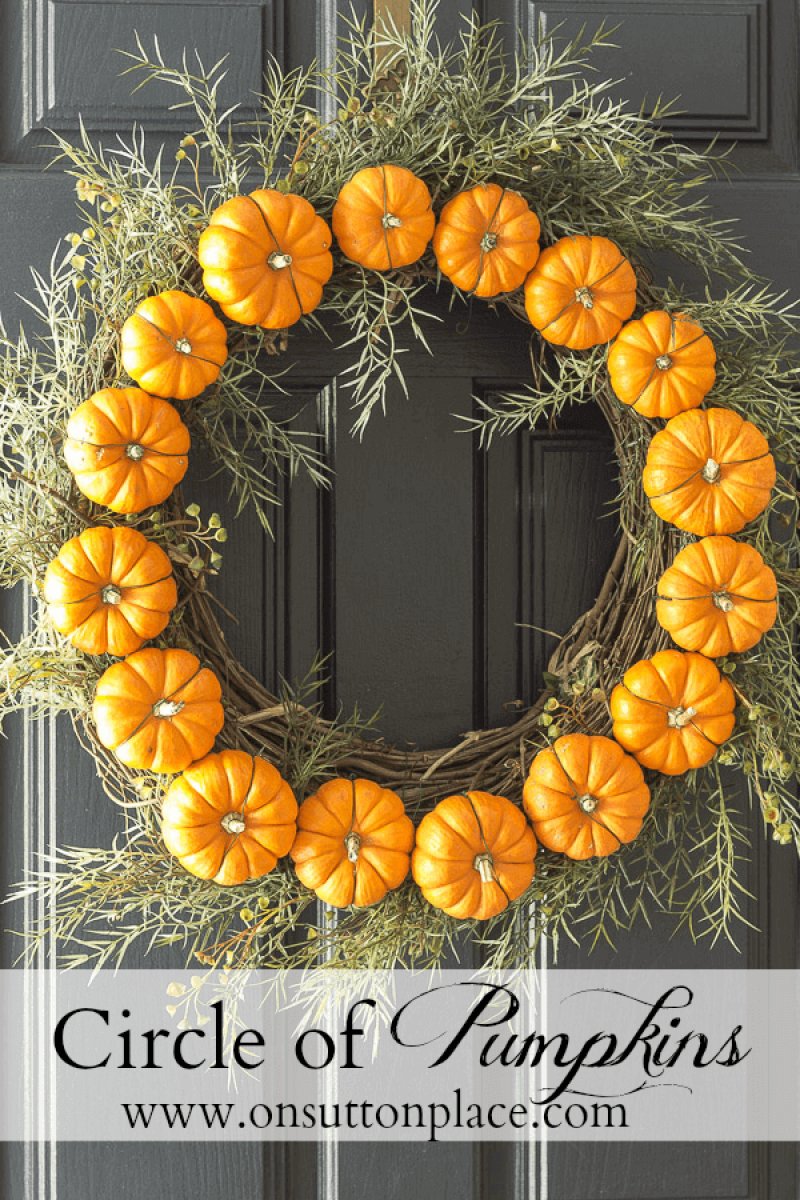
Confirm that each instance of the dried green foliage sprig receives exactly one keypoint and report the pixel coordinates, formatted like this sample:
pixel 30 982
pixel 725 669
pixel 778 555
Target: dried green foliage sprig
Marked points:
pixel 540 123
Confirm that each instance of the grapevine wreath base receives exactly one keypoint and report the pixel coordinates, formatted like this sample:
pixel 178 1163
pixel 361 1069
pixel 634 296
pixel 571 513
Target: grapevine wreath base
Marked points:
pixel 454 126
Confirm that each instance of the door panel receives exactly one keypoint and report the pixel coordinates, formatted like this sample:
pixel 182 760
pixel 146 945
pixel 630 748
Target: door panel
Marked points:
pixel 729 67
pixel 426 566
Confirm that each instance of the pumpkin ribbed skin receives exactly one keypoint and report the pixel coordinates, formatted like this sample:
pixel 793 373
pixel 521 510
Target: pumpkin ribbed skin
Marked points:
pixel 474 854
pixel 173 345
pixel 585 796
pixel 158 710
pixel 662 364
pixel 383 218
pixel 709 471
pixel 353 842
pixel 109 590
pixel 487 240
pixel 229 818
pixel 580 292
pixel 719 597
pixel 125 449
pixel 266 258
pixel 673 711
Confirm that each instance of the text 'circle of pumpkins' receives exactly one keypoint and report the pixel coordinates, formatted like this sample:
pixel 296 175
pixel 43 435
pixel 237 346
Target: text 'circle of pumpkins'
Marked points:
pixel 266 258
pixel 487 240
pixel 109 590
pixel 718 597
pixel 158 710
pixel 585 796
pixel 709 471
pixel 474 854
pixel 580 292
pixel 173 345
pixel 662 364
pixel 353 842
pixel 673 711
pixel 125 449
pixel 383 218
pixel 229 817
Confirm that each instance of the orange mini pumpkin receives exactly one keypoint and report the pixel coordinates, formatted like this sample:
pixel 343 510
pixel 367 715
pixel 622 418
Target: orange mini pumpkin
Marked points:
pixel 673 711
pixel 353 842
pixel 266 258
pixel 585 796
pixel 487 240
pixel 126 450
pixel 158 710
pixel 383 218
pixel 229 818
pixel 173 345
pixel 474 854
pixel 580 292
pixel 709 471
pixel 662 364
pixel 109 590
pixel 719 597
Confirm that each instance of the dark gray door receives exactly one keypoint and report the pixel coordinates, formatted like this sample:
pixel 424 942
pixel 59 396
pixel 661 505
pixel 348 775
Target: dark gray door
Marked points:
pixel 438 642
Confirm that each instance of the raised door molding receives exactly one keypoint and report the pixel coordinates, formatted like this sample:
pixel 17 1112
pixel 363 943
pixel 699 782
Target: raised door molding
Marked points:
pixel 59 66
pixel 730 65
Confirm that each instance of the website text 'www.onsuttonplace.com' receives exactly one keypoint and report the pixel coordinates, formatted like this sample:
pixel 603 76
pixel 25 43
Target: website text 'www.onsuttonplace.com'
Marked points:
pixel 431 1122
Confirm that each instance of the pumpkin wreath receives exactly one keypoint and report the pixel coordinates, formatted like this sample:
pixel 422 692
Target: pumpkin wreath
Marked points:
pixel 258 830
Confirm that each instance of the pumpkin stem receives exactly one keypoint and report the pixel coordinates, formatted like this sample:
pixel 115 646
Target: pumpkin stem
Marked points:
pixel 279 261
pixel 167 708
pixel 483 864
pixel 663 362
pixel 135 452
pixel 587 803
pixel 722 601
pixel 390 221
pixel 183 346
pixel 584 296
pixel 111 594
pixel 233 822
pixel 352 845
pixel 678 718
pixel 488 242
pixel 711 471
